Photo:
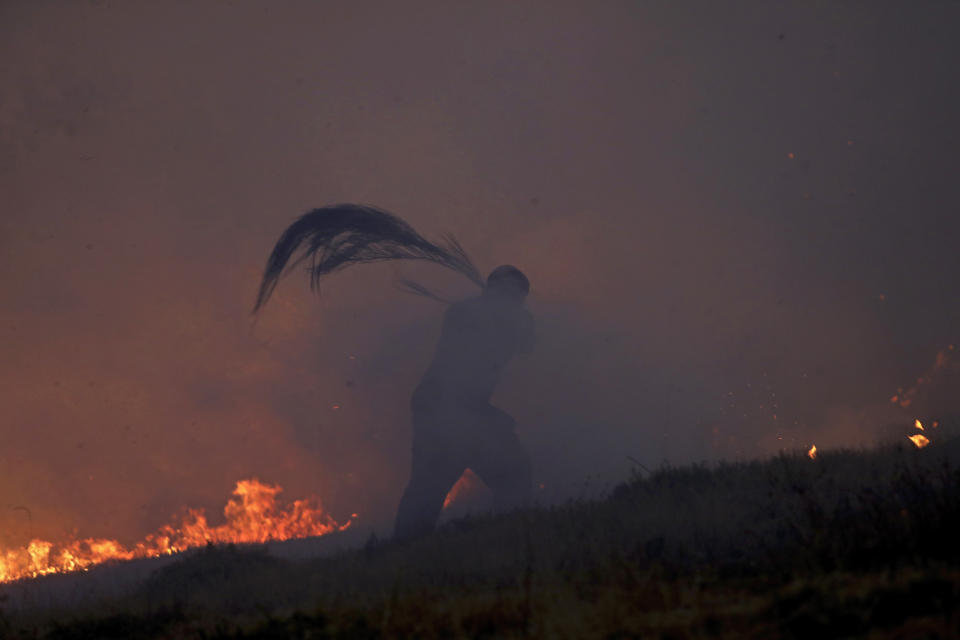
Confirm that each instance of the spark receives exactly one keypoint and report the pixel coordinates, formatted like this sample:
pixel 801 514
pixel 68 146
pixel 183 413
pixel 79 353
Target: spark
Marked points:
pixel 919 440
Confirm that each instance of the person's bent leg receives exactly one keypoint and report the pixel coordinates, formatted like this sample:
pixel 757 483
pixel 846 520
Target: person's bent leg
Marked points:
pixel 504 465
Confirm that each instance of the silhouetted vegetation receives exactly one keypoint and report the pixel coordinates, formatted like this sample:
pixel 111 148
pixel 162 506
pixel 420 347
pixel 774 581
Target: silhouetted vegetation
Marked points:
pixel 848 545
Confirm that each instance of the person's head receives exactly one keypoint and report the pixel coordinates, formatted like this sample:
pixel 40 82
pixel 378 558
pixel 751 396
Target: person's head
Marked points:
pixel 507 281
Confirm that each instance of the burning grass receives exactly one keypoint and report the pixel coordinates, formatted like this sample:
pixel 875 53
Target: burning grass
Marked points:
pixel 252 515
pixel 848 544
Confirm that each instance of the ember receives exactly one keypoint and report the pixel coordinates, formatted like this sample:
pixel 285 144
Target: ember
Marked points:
pixel 252 515
pixel 919 440
pixel 813 452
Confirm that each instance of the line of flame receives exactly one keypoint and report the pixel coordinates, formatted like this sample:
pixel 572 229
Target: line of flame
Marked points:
pixel 252 516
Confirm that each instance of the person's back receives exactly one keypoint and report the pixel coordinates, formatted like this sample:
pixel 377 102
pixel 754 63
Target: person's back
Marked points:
pixel 454 425
pixel 479 337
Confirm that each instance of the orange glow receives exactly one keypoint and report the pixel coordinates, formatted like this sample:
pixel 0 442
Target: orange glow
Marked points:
pixel 252 515
pixel 919 440
pixel 942 361
pixel 918 424
pixel 813 452
pixel 466 484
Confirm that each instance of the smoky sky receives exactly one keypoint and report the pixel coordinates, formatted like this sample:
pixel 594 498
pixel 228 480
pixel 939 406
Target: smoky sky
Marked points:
pixel 739 222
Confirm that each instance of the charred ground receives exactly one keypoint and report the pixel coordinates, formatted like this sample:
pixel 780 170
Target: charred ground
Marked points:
pixel 852 544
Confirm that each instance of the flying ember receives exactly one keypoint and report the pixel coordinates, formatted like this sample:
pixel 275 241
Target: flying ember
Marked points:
pixel 813 452
pixel 918 424
pixel 919 440
pixel 252 516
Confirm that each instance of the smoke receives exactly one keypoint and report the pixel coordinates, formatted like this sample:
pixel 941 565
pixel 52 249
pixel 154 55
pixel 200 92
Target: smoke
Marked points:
pixel 738 226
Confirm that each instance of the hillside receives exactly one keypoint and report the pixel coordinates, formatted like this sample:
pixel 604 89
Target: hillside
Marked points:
pixel 851 544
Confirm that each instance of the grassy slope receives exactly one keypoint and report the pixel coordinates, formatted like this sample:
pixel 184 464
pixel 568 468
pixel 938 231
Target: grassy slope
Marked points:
pixel 853 544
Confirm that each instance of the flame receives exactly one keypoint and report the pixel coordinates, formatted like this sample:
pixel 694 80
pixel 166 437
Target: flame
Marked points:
pixel 813 452
pixel 920 440
pixel 918 424
pixel 252 515
pixel 466 484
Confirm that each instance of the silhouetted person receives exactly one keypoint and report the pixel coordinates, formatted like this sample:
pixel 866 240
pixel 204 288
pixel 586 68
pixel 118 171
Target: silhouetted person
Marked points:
pixel 454 425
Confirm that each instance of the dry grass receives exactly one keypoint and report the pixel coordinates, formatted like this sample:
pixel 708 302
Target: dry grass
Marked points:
pixel 853 544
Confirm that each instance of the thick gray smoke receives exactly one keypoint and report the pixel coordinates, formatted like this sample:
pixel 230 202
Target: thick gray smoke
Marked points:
pixel 739 226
